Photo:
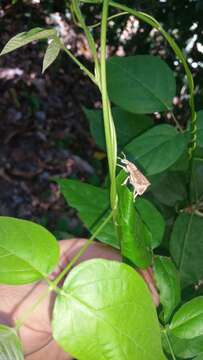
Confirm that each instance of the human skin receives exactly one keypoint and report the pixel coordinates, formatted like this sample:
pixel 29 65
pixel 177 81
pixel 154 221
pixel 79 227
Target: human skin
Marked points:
pixel 35 333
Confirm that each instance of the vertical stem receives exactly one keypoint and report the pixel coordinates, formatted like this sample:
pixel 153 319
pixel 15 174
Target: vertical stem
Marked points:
pixel 109 128
pixel 89 37
pixel 169 344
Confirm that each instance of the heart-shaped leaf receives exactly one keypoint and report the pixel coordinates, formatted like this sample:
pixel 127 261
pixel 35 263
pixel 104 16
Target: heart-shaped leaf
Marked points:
pixel 187 323
pixel 105 311
pixel 148 149
pixel 28 252
pixel 10 345
pixel 140 84
pixel 25 38
pixel 168 283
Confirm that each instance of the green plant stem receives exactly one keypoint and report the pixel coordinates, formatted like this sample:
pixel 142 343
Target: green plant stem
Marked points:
pixel 169 344
pixel 30 310
pixel 81 66
pixel 109 19
pixel 154 23
pixel 109 128
pixel 90 39
pixel 53 284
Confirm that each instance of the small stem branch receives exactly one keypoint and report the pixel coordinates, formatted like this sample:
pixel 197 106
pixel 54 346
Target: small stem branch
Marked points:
pixel 54 283
pixel 30 310
pixel 109 19
pixel 169 344
pixel 90 39
pixel 81 66
pixel 109 128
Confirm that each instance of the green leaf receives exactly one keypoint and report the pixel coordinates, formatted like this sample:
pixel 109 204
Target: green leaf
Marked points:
pixel 92 204
pixel 199 357
pixel 25 38
pixel 186 248
pixel 200 129
pixel 169 188
pixel 106 312
pixel 187 323
pixel 184 349
pixel 168 283
pixel 51 53
pixel 152 219
pixel 148 148
pixel 196 183
pixel 28 252
pixel 128 126
pixel 140 84
pixel 134 236
pixel 10 345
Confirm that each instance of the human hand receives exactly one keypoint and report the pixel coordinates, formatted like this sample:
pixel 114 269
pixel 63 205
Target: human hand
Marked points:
pixel 35 334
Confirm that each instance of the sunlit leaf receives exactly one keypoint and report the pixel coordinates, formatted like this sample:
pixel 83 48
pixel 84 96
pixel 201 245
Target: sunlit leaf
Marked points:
pixel 10 345
pixel 105 311
pixel 28 252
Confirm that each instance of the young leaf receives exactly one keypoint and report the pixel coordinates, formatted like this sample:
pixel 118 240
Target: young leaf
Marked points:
pixel 187 323
pixel 51 53
pixel 10 345
pixel 140 84
pixel 92 204
pixel 25 38
pixel 128 126
pixel 186 248
pixel 28 252
pixel 148 148
pixel 134 236
pixel 105 311
pixel 152 219
pixel 168 283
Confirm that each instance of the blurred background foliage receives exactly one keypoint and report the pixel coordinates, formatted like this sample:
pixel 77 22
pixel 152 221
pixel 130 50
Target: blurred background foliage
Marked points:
pixel 42 114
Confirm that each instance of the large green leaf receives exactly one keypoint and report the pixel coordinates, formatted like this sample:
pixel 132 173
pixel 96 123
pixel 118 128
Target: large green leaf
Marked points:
pixel 10 345
pixel 152 219
pixel 199 357
pixel 25 38
pixel 134 236
pixel 187 323
pixel 184 348
pixel 51 53
pixel 28 252
pixel 105 311
pixel 140 84
pixel 92 204
pixel 128 126
pixel 157 149
pixel 186 247
pixel 168 283
pixel 169 188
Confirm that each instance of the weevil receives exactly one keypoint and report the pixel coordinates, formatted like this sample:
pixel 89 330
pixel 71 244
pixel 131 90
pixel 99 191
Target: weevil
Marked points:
pixel 135 177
